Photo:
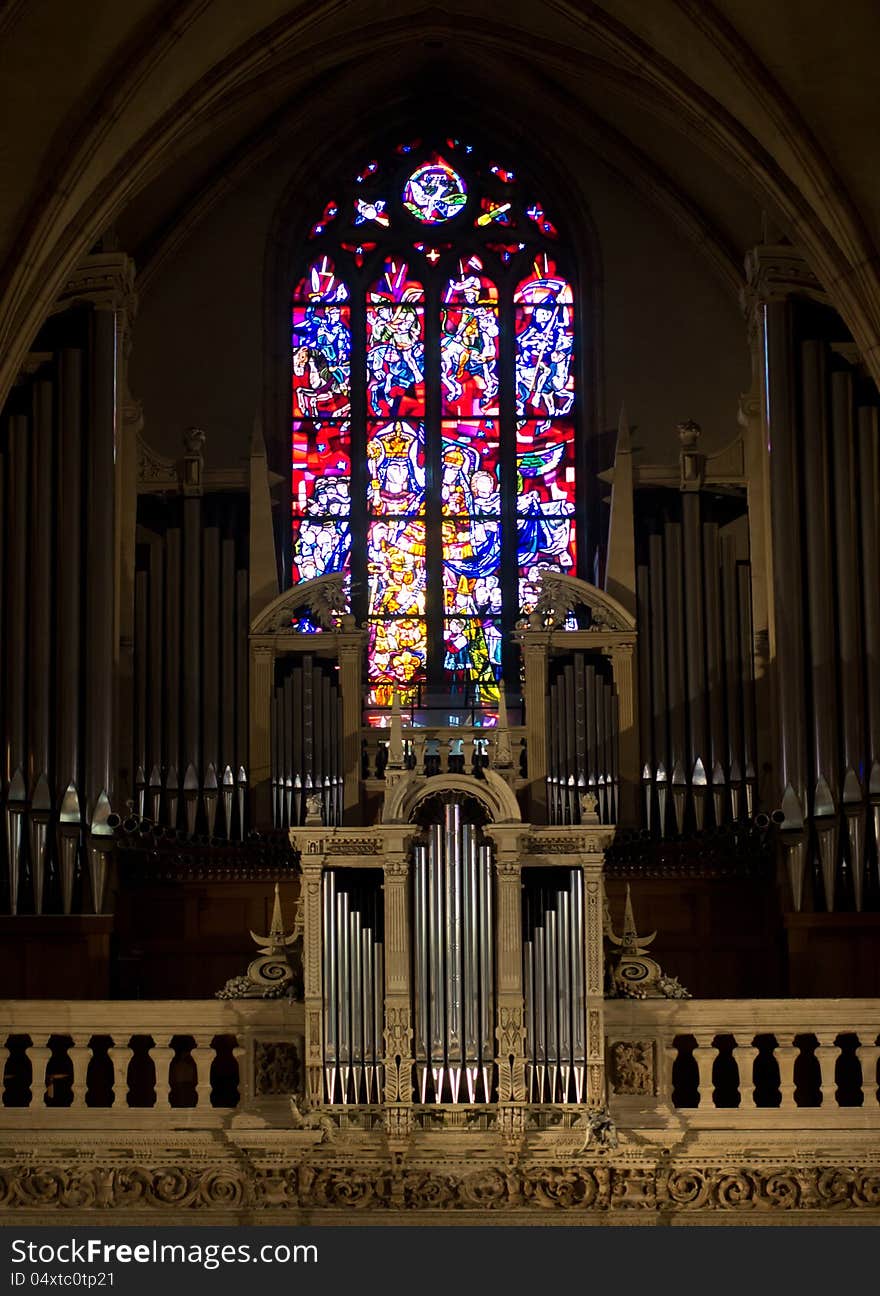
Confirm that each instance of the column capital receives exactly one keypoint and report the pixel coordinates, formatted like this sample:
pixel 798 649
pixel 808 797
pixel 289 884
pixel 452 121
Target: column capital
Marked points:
pixel 104 280
pixel 775 271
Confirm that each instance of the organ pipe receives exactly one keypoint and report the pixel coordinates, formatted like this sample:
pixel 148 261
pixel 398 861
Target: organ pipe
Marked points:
pixel 582 739
pixel 553 977
pixel 306 756
pixel 353 989
pixel 849 628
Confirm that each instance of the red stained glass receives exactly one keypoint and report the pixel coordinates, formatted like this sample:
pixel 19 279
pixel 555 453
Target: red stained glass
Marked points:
pixel 545 225
pixel 321 361
pixel 331 211
pixel 545 462
pixel 321 284
pixel 359 252
pixel 469 343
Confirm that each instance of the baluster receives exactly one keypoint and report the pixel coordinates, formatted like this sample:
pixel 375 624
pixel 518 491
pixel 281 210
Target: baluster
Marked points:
pixel 786 1058
pixel 704 1055
pixel 867 1055
pixel 668 1054
pixel 420 744
pixel 7 1054
pixel 162 1059
pixel 39 1056
pixel 120 1056
pixel 238 1053
pixel 826 1056
pixel 80 1056
pixel 202 1054
pixel 744 1056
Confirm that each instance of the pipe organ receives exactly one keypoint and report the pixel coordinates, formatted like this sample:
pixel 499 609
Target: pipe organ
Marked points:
pixel 190 658
pixel 62 497
pixel 307 721
pixel 583 738
pixel 697 682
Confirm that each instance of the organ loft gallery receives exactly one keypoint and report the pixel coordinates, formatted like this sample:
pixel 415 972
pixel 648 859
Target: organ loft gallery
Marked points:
pixel 440 614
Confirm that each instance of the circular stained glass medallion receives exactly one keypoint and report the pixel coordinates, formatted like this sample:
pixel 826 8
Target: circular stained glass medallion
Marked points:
pixel 434 193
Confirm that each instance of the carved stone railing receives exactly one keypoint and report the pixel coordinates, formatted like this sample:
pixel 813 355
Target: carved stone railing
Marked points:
pixel 739 1064
pixel 689 1064
pixel 446 750
pixel 141 1064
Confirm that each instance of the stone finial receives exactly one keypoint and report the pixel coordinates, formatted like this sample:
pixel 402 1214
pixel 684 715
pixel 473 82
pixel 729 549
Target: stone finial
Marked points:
pixel 269 975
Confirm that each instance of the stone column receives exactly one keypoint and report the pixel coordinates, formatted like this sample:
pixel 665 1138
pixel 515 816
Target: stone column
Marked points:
pixel 310 902
pixel 509 1011
pixel 535 650
pixel 594 971
pixel 398 1012
pixel 351 657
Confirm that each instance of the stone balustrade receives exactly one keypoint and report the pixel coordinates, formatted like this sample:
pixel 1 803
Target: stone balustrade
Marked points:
pixel 107 1063
pixel 445 750
pixel 744 1063
pixel 732 1064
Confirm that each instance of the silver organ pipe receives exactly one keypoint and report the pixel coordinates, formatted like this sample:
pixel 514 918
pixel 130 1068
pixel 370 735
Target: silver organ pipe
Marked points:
pixel 694 610
pixel 306 741
pixel 553 979
pixel 353 988
pixel 453 984
pixel 583 739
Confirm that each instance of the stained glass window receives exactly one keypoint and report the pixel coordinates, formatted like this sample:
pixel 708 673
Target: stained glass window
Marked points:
pixel 434 419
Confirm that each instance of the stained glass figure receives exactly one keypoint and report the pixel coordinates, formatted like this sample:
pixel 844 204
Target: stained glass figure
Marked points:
pixel 321 498
pixel 397 654
pixel 395 344
pixel 371 211
pixel 434 192
pixel 545 504
pixel 321 345
pixel 544 342
pixel 469 342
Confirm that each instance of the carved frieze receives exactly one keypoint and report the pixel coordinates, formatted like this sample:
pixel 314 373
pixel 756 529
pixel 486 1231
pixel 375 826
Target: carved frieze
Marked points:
pixel 51 1189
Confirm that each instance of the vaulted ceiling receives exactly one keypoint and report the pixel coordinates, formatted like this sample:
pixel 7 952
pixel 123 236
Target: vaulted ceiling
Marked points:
pixel 734 118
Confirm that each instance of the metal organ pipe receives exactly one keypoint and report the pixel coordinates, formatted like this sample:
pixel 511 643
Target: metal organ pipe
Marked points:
pixel 849 628
pixel 730 629
pixel 453 985
pixel 714 671
pixel 353 990
pixel 658 676
pixel 869 484
pixel 553 971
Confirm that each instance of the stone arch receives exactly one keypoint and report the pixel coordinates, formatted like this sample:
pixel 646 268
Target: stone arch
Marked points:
pixel 404 797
